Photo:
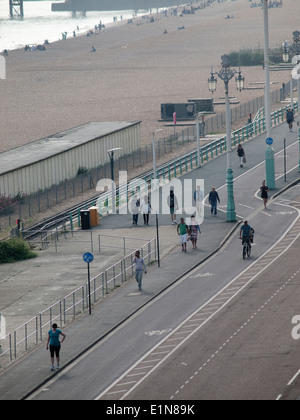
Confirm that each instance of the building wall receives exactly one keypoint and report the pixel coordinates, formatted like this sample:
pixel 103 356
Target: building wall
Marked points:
pixel 45 173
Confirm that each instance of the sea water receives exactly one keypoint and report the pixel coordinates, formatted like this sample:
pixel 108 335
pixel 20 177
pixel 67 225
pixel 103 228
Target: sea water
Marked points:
pixel 40 23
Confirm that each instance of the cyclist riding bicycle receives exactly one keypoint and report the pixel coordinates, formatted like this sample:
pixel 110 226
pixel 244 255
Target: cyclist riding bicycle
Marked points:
pixel 246 233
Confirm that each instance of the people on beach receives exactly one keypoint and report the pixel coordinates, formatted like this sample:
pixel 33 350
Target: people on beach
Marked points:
pixel 264 193
pixel 290 119
pixel 140 268
pixel 173 204
pixel 55 345
pixel 182 231
pixel 146 209
pixel 213 201
pixel 241 154
pixel 194 229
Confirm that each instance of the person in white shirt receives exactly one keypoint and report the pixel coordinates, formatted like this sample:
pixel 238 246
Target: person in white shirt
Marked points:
pixel 198 198
pixel 146 209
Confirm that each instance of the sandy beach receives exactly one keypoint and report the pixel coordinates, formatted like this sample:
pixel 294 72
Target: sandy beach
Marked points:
pixel 134 70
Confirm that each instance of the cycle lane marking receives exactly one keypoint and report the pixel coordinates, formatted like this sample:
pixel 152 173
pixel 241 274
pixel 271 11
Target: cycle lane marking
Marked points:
pixel 201 312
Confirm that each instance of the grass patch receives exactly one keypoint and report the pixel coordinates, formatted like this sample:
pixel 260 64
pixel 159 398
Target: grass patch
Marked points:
pixel 15 249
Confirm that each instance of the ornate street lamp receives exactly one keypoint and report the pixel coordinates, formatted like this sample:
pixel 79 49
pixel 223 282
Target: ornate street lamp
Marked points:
pixel 212 82
pixel 240 81
pixel 226 74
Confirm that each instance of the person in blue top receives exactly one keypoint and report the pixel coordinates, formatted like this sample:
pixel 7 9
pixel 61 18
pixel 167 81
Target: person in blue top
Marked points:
pixel 246 233
pixel 55 344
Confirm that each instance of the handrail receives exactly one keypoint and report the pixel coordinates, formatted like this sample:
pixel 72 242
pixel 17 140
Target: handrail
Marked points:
pixel 188 161
pixel 169 170
pixel 65 308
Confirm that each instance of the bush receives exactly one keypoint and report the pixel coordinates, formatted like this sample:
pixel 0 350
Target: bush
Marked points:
pixel 246 58
pixel 8 204
pixel 15 249
pixel 254 58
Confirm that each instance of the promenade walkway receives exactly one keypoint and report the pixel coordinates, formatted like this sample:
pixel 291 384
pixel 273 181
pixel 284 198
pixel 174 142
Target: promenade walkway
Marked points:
pixel 34 369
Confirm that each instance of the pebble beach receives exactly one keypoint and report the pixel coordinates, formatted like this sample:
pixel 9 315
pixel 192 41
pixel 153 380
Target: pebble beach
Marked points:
pixel 134 69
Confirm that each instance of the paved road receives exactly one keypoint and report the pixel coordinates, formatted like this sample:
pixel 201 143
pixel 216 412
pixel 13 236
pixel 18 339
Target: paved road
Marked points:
pixel 117 366
pixel 96 370
pixel 245 350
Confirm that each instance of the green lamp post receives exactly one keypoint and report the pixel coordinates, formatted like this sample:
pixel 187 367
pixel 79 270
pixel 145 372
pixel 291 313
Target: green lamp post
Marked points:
pixel 226 74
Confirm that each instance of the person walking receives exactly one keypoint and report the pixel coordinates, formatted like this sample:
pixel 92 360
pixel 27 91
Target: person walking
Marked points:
pixel 264 193
pixel 173 204
pixel 213 201
pixel 198 198
pixel 146 209
pixel 55 344
pixel 182 230
pixel 241 154
pixel 194 228
pixel 135 208
pixel 290 119
pixel 140 267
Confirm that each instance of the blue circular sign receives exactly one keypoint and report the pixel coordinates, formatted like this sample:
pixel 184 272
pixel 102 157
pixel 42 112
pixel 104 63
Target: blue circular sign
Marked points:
pixel 269 141
pixel 88 257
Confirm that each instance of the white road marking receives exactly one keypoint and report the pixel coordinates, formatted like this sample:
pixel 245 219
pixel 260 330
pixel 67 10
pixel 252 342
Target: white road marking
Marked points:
pixel 210 315
pixel 294 378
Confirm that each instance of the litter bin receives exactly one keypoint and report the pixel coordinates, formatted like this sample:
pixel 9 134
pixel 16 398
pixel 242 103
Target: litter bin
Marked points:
pixel 95 217
pixel 85 219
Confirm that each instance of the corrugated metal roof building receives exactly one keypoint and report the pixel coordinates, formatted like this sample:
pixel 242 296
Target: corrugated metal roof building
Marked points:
pixel 43 163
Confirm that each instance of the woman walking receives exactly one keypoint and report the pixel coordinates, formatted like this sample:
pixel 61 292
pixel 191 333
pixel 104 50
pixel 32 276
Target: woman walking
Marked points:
pixel 55 344
pixel 264 193
pixel 194 228
pixel 290 118
pixel 241 154
pixel 140 267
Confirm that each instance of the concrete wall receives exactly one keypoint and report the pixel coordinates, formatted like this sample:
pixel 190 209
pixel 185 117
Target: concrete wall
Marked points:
pixel 47 162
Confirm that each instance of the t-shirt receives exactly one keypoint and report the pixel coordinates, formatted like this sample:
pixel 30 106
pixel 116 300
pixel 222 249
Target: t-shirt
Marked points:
pixel 54 338
pixel 183 229
pixel 172 200
pixel 246 230
pixel 139 264
pixel 290 116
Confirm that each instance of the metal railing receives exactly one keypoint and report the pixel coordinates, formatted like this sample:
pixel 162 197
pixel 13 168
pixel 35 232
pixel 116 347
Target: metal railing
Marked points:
pixel 46 237
pixel 6 347
pixel 124 268
pixel 189 162
pixel 75 303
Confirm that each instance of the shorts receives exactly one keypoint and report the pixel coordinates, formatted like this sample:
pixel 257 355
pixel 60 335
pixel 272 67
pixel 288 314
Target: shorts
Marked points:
pixel 172 210
pixel 55 350
pixel 183 239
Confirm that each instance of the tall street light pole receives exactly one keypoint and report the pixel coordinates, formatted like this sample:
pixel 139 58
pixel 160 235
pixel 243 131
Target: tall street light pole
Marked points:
pixel 226 74
pixel 154 157
pixel 270 161
pixel 111 154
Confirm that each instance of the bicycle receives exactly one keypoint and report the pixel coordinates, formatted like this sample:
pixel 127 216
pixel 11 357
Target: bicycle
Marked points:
pixel 246 247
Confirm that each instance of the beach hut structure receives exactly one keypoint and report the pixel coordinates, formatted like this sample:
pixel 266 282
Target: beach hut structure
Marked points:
pixel 47 162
